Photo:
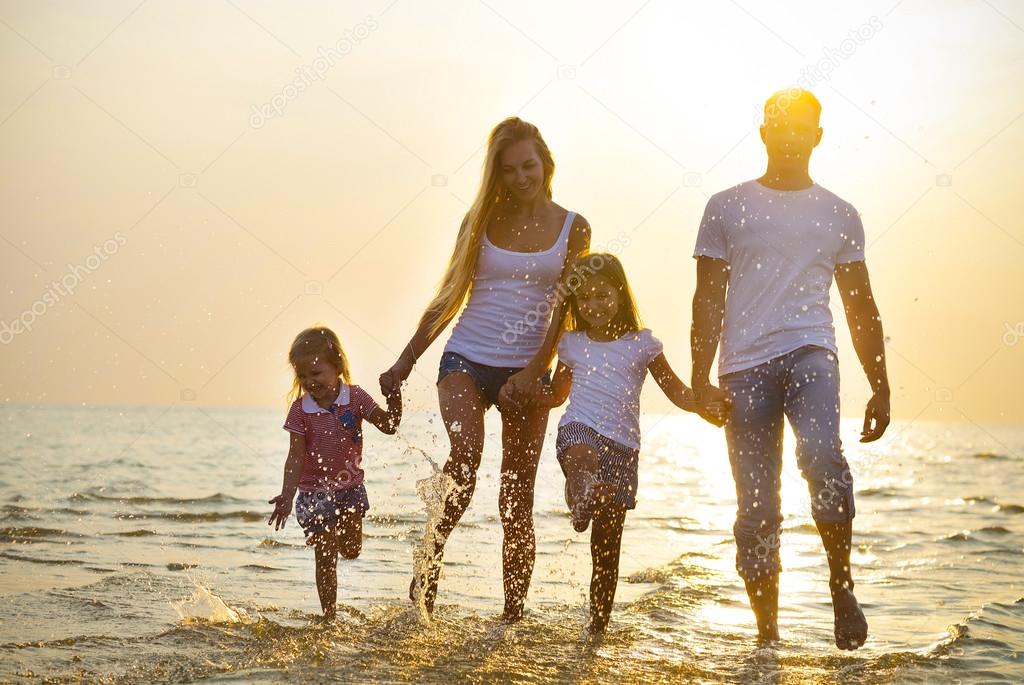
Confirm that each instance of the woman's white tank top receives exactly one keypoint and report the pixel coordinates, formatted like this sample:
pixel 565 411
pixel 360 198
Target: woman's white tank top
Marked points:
pixel 510 303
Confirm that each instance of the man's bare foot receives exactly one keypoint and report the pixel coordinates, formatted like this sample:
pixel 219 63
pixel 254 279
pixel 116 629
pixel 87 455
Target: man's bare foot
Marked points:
pixel 764 600
pixel 851 627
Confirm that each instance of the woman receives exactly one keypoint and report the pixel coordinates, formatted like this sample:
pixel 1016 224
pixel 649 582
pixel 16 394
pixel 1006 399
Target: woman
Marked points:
pixel 514 245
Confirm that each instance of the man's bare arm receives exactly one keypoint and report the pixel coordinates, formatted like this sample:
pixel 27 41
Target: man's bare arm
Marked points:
pixel 708 310
pixel 866 330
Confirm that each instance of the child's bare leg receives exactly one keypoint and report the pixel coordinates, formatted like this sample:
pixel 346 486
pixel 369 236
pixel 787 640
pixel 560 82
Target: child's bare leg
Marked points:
pixel 580 466
pixel 583 492
pixel 605 543
pixel 350 534
pixel 326 548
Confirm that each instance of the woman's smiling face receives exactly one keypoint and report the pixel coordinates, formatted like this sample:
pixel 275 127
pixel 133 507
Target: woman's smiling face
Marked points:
pixel 521 170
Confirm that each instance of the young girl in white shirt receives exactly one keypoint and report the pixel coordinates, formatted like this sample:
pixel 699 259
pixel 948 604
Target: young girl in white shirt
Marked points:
pixel 603 360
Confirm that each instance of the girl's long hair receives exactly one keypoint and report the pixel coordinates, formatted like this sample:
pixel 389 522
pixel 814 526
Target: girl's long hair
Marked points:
pixel 458 278
pixel 317 342
pixel 608 266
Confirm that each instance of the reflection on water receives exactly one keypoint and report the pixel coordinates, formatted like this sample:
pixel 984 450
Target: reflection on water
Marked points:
pixel 133 548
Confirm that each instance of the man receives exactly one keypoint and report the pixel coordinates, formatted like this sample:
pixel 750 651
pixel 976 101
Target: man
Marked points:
pixel 774 244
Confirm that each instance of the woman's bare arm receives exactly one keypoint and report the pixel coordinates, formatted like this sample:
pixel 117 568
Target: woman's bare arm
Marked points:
pixel 524 385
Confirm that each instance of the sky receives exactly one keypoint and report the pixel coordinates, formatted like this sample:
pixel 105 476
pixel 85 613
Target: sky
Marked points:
pixel 187 185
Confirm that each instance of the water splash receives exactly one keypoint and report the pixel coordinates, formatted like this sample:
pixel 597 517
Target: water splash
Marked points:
pixel 204 606
pixel 434 492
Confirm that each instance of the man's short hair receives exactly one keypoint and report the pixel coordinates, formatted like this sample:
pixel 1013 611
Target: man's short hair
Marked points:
pixel 780 101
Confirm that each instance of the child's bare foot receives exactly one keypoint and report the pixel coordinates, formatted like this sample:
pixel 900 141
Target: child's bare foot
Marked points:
pixel 512 615
pixel 851 627
pixel 584 498
pixel 597 627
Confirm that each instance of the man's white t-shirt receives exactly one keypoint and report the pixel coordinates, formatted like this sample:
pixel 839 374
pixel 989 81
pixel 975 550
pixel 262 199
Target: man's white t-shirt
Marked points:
pixel 782 248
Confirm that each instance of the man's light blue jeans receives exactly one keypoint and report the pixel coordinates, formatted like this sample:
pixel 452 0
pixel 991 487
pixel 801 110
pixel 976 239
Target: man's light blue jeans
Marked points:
pixel 802 386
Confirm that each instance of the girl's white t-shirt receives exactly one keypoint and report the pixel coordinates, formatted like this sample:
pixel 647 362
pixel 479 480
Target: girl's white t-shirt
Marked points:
pixel 606 382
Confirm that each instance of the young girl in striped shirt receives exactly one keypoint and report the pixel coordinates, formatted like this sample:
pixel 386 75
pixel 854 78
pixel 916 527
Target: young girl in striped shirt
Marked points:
pixel 603 360
pixel 325 455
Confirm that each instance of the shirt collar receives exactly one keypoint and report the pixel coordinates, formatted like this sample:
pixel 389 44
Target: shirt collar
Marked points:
pixel 310 406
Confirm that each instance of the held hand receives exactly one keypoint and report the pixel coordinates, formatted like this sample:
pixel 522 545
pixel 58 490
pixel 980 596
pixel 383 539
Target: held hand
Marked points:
pixel 395 396
pixel 713 404
pixel 689 401
pixel 876 417
pixel 391 380
pixel 282 509
pixel 521 389
pixel 545 398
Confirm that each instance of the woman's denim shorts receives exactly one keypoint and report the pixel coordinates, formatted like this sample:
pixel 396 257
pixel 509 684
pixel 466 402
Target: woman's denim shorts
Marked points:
pixel 488 378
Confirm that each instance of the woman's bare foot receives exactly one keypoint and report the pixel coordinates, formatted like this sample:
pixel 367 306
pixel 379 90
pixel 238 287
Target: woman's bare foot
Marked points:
pixel 423 587
pixel 851 627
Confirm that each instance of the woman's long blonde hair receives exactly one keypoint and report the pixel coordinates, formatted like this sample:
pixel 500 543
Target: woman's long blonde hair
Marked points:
pixel 458 278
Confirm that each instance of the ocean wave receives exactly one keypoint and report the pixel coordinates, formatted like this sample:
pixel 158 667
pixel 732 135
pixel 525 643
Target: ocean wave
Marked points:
pixel 878 492
pixel 990 635
pixel 36 560
pixel 216 498
pixel 181 566
pixel 34 534
pixel 77 640
pixel 980 500
pixel 999 507
pixel 965 535
pixel 138 533
pixel 12 512
pixel 260 568
pixel 195 517
pixel 990 456
pixel 270 543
